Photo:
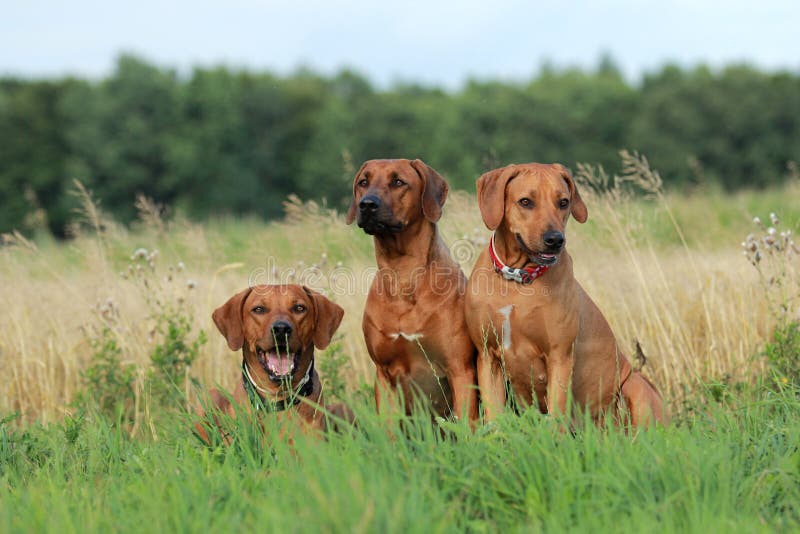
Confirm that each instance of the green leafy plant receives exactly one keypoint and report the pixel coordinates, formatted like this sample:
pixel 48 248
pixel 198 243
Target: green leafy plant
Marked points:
pixel 783 354
pixel 175 344
pixel 109 385
pixel 333 365
pixel 774 254
pixel 173 356
pixel 107 381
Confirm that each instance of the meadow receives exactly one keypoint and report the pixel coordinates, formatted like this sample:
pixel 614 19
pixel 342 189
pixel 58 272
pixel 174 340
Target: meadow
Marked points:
pixel 93 327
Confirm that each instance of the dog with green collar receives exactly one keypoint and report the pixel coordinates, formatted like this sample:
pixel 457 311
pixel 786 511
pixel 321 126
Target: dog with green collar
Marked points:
pixel 276 328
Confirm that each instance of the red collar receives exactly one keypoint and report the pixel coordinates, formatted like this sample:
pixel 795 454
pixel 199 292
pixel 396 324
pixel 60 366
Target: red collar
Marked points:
pixel 526 275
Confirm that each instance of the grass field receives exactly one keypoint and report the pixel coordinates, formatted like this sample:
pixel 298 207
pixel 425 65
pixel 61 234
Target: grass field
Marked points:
pixel 667 270
pixel 734 469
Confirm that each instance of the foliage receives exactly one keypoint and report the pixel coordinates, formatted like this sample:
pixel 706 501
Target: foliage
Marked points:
pixel 109 386
pixel 783 354
pixel 730 460
pixel 773 253
pixel 107 381
pixel 732 468
pixel 225 141
pixel 173 356
pixel 333 365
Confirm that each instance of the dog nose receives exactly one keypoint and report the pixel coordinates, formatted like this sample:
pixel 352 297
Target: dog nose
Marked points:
pixel 553 240
pixel 369 203
pixel 281 330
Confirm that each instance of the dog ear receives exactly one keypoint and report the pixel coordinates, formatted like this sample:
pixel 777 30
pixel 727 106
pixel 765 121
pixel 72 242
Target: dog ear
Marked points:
pixel 351 213
pixel 228 319
pixel 492 194
pixel 578 210
pixel 434 190
pixel 327 317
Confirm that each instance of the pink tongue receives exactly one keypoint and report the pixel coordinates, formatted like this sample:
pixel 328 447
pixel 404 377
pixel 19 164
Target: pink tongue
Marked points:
pixel 280 366
pixel 548 256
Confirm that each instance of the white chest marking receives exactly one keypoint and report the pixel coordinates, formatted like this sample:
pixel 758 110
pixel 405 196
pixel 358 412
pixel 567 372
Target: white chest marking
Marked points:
pixel 407 337
pixel 505 311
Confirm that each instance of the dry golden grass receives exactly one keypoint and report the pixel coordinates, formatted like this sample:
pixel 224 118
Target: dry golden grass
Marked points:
pixel 664 273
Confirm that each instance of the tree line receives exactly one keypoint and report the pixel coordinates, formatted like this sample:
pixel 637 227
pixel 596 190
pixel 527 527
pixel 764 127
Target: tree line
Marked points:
pixel 226 141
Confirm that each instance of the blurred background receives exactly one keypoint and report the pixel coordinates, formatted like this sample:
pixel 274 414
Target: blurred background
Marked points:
pixel 226 108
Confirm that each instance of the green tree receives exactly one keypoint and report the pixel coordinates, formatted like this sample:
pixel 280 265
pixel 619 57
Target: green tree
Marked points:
pixel 33 152
pixel 124 128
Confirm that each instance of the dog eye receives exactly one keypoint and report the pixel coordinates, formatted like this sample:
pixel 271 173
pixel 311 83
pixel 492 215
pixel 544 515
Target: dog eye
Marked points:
pixel 298 308
pixel 362 182
pixel 259 310
pixel 563 203
pixel 526 203
pixel 397 182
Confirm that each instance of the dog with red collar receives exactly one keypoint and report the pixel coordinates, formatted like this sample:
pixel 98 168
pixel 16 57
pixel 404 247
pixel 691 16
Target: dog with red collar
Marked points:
pixel 535 327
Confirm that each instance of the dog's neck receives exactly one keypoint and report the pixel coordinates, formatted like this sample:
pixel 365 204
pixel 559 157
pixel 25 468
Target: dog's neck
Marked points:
pixel 410 260
pixel 416 246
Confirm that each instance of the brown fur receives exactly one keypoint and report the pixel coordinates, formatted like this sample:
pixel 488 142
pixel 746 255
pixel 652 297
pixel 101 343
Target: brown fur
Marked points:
pixel 314 320
pixel 418 292
pixel 553 339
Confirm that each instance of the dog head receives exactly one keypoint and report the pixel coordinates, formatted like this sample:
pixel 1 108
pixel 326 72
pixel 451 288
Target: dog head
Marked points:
pixel 278 327
pixel 532 204
pixel 390 195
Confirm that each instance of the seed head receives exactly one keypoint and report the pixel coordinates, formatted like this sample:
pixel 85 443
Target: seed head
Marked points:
pixel 138 254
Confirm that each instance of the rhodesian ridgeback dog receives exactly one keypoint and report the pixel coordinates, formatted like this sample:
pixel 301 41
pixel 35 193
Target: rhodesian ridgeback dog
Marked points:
pixel 277 327
pixel 413 322
pixel 535 327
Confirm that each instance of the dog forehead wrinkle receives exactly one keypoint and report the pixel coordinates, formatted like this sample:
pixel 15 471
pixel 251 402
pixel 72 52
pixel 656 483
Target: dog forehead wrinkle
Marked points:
pixel 541 173
pixel 505 311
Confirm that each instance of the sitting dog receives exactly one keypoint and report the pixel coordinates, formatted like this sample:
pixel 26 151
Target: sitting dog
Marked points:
pixel 277 327
pixel 414 317
pixel 535 327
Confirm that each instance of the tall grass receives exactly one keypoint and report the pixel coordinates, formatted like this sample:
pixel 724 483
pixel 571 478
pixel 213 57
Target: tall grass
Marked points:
pixel 105 313
pixel 666 270
pixel 735 469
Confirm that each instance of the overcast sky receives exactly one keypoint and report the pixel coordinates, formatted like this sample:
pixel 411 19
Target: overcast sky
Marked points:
pixel 440 43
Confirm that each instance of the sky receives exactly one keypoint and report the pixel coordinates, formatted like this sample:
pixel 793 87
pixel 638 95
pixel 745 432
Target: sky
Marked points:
pixel 439 43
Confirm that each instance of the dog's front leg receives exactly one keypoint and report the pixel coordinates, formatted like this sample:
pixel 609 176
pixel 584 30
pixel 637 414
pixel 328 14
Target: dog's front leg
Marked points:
pixel 491 385
pixel 559 378
pixel 386 398
pixel 465 397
